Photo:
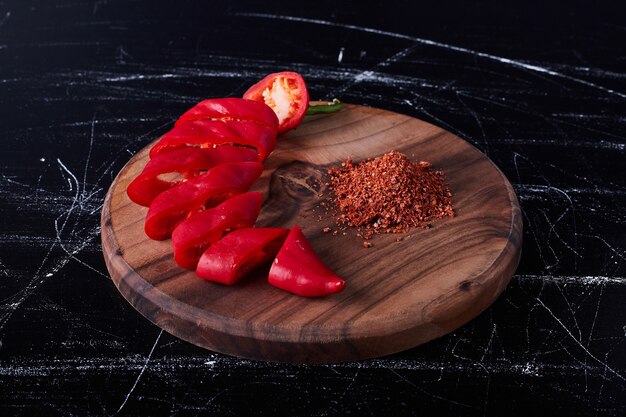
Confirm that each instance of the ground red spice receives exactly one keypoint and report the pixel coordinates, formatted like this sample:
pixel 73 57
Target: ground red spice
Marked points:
pixel 389 194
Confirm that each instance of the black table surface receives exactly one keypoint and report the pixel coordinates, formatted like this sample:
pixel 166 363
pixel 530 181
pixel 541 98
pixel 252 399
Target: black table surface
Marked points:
pixel 541 90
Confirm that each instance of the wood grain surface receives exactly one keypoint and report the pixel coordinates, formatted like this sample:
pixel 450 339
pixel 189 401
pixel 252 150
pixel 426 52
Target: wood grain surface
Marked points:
pixel 398 294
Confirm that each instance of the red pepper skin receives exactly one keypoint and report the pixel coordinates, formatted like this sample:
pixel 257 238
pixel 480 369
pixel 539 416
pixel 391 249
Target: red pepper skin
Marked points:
pixel 286 94
pixel 231 108
pixel 195 234
pixel 207 190
pixel 239 252
pixel 299 270
pixel 258 136
pixel 210 133
pixel 188 162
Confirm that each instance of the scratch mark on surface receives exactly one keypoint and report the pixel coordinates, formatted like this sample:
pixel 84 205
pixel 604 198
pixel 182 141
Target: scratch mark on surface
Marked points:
pixel 145 365
pixel 215 361
pixel 370 73
pixel 5 18
pixel 438 397
pixel 93 127
pixel 508 61
pixel 578 342
pixel 538 188
pixel 591 144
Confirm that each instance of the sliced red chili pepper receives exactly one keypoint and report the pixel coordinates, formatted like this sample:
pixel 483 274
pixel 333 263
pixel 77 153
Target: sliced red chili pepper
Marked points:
pixel 299 270
pixel 260 137
pixel 181 164
pixel 286 94
pixel 195 234
pixel 239 252
pixel 211 133
pixel 207 190
pixel 231 108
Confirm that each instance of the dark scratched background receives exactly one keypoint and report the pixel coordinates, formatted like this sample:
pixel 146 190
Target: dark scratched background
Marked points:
pixel 540 89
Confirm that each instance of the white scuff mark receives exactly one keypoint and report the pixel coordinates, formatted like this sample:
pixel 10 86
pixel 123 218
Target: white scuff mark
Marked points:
pixel 441 122
pixel 60 224
pixel 479 123
pixel 549 120
pixel 91 136
pixel 55 44
pixel 491 337
pixel 5 18
pixel 428 42
pixel 527 369
pixel 370 73
pixel 592 144
pixel 40 277
pixel 340 56
pixel 145 365
pixel 541 189
pixel 75 200
pixel 585 116
pixel 587 280
pixel 553 225
pixel 503 366
pixel 617 252
pixel 134 77
pixel 428 393
pixel 579 343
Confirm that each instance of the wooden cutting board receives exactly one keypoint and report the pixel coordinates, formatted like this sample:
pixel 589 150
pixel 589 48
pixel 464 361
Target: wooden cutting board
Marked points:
pixel 398 294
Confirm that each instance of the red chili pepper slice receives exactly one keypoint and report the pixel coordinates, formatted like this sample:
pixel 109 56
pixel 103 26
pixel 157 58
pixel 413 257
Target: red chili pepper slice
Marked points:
pixel 195 234
pixel 299 270
pixel 181 164
pixel 211 133
pixel 286 94
pixel 207 190
pixel 231 108
pixel 239 252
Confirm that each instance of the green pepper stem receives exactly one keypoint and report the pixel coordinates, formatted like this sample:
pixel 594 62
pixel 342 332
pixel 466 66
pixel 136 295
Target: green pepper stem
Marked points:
pixel 318 107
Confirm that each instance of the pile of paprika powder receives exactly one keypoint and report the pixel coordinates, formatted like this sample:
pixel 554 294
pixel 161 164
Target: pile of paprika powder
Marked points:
pixel 389 194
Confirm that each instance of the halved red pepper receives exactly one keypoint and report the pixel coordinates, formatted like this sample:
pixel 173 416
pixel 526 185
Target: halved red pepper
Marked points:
pixel 194 235
pixel 181 164
pixel 299 270
pixel 231 108
pixel 211 133
pixel 207 190
pixel 239 252
pixel 286 94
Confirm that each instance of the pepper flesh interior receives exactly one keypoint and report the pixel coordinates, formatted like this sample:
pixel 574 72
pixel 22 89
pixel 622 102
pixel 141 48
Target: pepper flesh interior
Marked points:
pixel 281 97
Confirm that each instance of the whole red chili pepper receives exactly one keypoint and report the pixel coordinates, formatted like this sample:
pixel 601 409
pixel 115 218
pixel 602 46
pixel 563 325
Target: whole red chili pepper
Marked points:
pixel 231 108
pixel 211 133
pixel 207 190
pixel 194 235
pixel 240 252
pixel 181 164
pixel 299 270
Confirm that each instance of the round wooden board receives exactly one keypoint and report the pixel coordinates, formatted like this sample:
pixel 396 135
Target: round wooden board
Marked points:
pixel 398 294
